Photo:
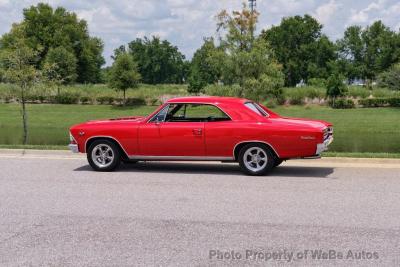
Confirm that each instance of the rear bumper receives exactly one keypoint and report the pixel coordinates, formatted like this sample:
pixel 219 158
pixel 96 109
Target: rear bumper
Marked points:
pixel 324 146
pixel 74 148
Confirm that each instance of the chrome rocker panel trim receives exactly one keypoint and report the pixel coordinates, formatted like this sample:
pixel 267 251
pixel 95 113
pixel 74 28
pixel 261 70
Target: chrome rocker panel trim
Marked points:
pixel 180 158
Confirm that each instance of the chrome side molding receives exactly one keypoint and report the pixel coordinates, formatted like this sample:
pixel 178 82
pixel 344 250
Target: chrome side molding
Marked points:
pixel 180 158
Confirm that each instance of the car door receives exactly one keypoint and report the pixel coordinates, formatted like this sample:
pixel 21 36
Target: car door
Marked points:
pixel 169 134
pixel 221 134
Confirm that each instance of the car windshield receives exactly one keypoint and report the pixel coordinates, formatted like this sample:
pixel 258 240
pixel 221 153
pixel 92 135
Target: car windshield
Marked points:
pixel 256 108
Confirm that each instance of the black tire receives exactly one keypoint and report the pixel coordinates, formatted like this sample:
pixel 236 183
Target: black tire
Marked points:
pixel 269 162
pixel 278 162
pixel 109 165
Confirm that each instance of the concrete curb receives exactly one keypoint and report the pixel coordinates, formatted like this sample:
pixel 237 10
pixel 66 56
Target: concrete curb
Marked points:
pixel 323 162
pixel 33 153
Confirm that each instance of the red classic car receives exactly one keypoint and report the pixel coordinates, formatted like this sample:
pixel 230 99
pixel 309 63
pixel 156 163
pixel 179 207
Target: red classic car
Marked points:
pixel 202 128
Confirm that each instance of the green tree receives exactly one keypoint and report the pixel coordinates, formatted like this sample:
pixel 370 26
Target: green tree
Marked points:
pixel 46 28
pixel 158 61
pixel 301 48
pixel 336 86
pixel 381 45
pixel 247 61
pixel 351 53
pixel 124 74
pixel 390 78
pixel 364 53
pixel 19 64
pixel 203 68
pixel 60 67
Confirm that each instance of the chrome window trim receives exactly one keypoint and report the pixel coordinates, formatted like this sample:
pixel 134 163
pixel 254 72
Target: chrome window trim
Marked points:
pixel 191 103
pixel 155 115
pixel 260 109
pixel 254 141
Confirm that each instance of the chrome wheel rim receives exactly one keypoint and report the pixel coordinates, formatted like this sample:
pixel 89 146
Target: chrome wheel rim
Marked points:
pixel 102 155
pixel 255 159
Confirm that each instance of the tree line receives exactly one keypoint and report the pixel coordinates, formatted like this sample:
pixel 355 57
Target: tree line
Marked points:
pixel 67 51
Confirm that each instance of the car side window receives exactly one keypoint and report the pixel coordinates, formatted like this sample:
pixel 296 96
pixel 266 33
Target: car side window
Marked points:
pixel 195 113
pixel 256 108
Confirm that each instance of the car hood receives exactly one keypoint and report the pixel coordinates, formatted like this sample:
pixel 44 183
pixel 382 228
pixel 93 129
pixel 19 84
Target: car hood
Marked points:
pixel 300 122
pixel 113 121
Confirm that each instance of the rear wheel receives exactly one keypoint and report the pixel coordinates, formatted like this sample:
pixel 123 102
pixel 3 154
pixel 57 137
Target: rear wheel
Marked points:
pixel 103 155
pixel 256 159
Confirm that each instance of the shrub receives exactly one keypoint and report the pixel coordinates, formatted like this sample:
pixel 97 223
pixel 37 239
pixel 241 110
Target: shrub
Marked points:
pixel 153 102
pixel 270 103
pixel 86 100
pixel 107 100
pixel 317 82
pixel 135 101
pixel 313 92
pixel 382 92
pixel 66 98
pixel 359 91
pixel 222 90
pixel 296 96
pixel 394 102
pixel 335 86
pixel 296 99
pixel 342 103
pixel 304 92
pixel 374 102
pixel 390 78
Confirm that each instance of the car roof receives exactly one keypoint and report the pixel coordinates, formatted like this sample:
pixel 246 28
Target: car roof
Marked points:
pixel 207 100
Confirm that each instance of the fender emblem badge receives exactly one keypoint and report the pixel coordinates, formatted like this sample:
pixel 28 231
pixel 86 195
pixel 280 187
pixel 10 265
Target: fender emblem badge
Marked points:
pixel 81 133
pixel 307 137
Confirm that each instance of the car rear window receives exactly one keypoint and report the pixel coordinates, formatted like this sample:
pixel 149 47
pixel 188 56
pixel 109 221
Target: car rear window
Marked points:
pixel 256 108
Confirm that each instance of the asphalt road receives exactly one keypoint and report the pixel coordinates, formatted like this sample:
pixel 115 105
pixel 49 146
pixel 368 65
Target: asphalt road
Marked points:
pixel 55 211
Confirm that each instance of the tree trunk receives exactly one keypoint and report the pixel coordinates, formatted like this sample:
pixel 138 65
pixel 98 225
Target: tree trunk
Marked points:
pixel 58 90
pixel 24 118
pixel 124 97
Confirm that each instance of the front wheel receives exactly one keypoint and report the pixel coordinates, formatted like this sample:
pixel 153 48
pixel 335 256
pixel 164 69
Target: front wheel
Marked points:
pixel 278 162
pixel 103 155
pixel 256 159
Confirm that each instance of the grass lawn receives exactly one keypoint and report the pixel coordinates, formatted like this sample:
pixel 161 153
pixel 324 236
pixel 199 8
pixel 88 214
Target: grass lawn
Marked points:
pixel 49 124
pixel 358 130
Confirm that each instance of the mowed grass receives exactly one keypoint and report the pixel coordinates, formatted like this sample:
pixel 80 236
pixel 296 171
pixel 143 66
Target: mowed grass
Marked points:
pixel 358 130
pixel 49 124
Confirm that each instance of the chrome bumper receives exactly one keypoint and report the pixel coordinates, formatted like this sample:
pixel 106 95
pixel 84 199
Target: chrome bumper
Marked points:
pixel 74 148
pixel 324 146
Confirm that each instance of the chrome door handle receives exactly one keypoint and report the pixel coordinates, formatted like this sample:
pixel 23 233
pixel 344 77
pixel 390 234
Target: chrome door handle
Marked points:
pixel 197 131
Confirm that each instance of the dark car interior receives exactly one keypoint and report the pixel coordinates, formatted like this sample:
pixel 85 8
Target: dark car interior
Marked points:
pixel 195 113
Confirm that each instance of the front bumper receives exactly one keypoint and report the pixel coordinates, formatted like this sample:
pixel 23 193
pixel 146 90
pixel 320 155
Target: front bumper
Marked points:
pixel 74 148
pixel 324 146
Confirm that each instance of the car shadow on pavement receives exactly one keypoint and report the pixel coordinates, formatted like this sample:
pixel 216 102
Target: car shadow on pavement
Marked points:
pixel 216 169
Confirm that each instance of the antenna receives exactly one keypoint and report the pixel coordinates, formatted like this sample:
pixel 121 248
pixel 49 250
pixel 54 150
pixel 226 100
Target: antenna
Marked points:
pixel 252 5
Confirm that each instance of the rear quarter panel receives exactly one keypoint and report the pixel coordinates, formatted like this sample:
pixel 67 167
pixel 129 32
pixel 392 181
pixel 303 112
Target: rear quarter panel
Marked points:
pixel 222 137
